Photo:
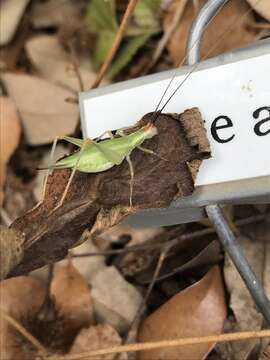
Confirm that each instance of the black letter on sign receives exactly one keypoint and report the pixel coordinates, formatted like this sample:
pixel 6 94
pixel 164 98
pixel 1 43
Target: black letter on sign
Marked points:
pixel 215 127
pixel 258 131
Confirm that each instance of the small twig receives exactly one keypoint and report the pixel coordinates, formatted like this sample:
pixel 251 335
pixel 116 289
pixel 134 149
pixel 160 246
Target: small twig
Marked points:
pixel 24 332
pixel 168 343
pixel 46 305
pixel 199 233
pixel 196 5
pixel 116 43
pixel 76 68
pixel 140 311
pixel 259 25
pixel 167 34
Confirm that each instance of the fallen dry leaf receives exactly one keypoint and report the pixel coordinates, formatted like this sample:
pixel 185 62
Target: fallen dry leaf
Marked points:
pixel 198 310
pixel 54 13
pixel 54 63
pixel 99 201
pixel 262 7
pixel 11 12
pixel 21 298
pixel 55 321
pixel 143 262
pixel 206 254
pixel 11 250
pixel 265 355
pixel 240 36
pixel 116 301
pixel 10 131
pixel 44 112
pixel 95 338
pixel 88 266
pixel 72 297
pixel 247 316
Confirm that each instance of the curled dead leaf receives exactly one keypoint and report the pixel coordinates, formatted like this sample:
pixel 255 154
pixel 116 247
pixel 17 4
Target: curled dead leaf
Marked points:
pixel 196 311
pixel 99 201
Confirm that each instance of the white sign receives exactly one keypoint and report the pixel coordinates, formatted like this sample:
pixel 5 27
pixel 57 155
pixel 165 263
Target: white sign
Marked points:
pixel 233 98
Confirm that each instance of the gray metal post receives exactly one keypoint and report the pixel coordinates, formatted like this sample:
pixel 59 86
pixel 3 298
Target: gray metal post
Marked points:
pixel 214 212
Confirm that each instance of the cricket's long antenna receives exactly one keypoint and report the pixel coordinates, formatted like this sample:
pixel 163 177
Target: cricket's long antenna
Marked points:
pixel 196 65
pixel 182 61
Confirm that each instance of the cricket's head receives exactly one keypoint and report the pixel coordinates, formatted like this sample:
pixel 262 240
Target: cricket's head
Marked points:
pixel 150 130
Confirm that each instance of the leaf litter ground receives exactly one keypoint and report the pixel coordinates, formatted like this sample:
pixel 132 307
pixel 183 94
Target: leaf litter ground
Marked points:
pixel 187 262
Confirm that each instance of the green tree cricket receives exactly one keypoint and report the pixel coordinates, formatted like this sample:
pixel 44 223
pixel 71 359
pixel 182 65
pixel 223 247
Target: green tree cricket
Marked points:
pixel 95 157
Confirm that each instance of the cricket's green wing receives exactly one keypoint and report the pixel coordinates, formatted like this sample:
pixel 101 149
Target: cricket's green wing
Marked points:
pixel 109 152
pixel 111 155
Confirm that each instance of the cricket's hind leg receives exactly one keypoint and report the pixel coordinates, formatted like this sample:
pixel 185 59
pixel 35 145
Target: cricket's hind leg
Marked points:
pixel 131 169
pixel 47 172
pixel 84 144
pixel 78 142
pixel 50 166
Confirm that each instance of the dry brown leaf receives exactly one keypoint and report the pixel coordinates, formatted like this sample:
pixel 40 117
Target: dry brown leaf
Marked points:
pixel 240 36
pixel 10 130
pixel 54 13
pixel 196 311
pixel 11 12
pixel 45 113
pixel 49 58
pixel 95 338
pixel 72 297
pixel 11 250
pixel 190 255
pixel 265 355
pixel 21 298
pixel 257 251
pixel 116 301
pixel 262 7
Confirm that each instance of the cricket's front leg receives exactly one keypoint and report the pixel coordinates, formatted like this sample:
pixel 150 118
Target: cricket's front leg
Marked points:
pixel 131 169
pixel 151 152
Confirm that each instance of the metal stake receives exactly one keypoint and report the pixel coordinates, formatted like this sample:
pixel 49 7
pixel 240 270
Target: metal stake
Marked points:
pixel 233 248
pixel 214 212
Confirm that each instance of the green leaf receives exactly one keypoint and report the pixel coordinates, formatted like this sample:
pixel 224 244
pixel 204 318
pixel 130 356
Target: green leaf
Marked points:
pixel 101 20
pixel 127 53
pixel 101 16
pixel 103 46
pixel 146 15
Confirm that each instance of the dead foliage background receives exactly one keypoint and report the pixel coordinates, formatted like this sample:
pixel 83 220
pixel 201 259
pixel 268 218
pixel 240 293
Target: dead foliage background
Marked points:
pixel 121 284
